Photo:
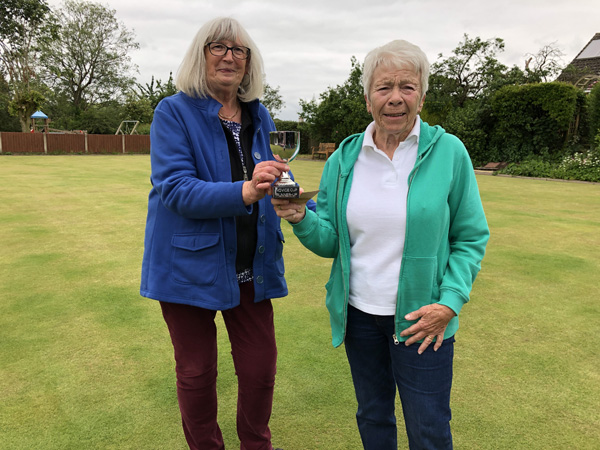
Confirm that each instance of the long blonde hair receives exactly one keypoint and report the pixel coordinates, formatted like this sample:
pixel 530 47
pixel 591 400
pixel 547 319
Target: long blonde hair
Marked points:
pixel 191 76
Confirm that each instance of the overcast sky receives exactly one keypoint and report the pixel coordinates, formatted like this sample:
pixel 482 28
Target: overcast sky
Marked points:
pixel 307 45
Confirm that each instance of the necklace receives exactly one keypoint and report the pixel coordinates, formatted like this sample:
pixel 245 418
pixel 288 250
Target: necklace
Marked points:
pixel 224 117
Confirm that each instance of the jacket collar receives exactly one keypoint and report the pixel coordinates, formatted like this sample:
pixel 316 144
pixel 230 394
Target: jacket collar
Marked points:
pixel 351 146
pixel 212 106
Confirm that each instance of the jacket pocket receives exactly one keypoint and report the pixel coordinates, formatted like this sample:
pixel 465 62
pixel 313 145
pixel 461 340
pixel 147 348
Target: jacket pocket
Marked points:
pixel 195 258
pixel 419 283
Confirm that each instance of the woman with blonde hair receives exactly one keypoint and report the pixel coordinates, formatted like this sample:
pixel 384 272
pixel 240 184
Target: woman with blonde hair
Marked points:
pixel 213 242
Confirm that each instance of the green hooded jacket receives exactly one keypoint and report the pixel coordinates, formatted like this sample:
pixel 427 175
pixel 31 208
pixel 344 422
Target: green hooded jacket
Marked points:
pixel 446 229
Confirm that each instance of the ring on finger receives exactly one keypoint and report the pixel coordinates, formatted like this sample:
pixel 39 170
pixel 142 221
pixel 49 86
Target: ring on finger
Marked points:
pixel 430 338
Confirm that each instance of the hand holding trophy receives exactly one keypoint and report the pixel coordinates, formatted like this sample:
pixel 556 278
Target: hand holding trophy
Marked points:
pixel 286 145
pixel 289 203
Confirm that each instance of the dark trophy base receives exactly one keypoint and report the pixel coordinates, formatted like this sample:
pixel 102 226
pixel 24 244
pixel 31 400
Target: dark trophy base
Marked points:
pixel 284 191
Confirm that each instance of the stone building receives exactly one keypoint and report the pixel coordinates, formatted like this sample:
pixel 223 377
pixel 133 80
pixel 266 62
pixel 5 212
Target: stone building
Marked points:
pixel 584 70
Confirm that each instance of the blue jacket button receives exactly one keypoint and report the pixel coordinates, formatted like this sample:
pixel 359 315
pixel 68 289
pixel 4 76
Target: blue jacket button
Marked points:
pixel 257 155
pixel 259 279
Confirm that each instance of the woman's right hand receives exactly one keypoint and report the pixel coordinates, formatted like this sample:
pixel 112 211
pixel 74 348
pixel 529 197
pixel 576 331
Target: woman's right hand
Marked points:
pixel 265 173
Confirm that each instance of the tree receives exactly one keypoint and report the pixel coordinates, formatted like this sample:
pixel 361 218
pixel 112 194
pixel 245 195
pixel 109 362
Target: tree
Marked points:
pixel 272 100
pixel 101 119
pixel 460 88
pixel 155 91
pixel 8 122
pixel 23 25
pixel 340 112
pixel 468 74
pixel 138 108
pixel 89 61
pixel 545 65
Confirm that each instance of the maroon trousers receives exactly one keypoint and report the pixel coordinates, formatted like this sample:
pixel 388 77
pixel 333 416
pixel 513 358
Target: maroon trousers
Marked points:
pixel 252 337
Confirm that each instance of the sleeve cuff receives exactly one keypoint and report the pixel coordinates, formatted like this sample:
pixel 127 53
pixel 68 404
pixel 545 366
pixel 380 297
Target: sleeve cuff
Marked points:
pixel 452 300
pixel 303 227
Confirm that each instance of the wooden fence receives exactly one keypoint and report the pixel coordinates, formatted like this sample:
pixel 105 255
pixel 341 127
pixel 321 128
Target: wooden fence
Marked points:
pixel 51 143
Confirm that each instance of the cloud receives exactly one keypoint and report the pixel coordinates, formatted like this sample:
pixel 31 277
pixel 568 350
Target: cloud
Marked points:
pixel 307 45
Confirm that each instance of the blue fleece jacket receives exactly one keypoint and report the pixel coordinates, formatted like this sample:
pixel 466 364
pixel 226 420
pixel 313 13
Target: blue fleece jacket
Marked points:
pixel 190 241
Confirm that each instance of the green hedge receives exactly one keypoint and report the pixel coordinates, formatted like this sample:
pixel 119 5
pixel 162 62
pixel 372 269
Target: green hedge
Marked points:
pixel 517 122
pixel 472 125
pixel 535 119
pixel 594 113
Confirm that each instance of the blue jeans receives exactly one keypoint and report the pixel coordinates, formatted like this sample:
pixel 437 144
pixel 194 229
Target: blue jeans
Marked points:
pixel 424 382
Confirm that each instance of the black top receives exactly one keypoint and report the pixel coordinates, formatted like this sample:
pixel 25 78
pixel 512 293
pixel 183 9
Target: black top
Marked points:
pixel 245 225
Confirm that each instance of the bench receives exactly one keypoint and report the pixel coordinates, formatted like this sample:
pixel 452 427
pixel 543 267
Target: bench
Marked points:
pixel 325 149
pixel 493 166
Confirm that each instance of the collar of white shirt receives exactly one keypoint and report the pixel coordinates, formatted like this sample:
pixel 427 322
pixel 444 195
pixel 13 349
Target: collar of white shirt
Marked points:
pixel 415 133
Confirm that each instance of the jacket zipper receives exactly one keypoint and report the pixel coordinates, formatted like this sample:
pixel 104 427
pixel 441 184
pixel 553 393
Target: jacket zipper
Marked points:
pixel 410 180
pixel 339 226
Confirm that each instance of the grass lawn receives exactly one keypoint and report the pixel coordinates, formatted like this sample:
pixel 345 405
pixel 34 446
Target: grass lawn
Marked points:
pixel 85 362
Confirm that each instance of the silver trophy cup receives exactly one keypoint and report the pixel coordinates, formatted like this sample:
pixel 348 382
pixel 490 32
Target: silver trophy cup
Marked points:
pixel 285 144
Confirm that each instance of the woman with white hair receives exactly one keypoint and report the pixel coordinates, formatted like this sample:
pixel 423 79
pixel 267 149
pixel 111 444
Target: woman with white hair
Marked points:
pixel 213 242
pixel 400 214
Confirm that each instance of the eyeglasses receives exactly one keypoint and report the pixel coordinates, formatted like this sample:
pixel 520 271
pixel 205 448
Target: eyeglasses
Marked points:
pixel 218 49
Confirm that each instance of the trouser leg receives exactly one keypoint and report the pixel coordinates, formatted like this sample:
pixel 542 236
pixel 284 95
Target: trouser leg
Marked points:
pixel 369 358
pixel 424 383
pixel 193 334
pixel 252 336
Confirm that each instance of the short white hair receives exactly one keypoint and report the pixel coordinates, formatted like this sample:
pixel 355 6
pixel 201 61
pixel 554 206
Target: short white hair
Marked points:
pixel 191 76
pixel 396 54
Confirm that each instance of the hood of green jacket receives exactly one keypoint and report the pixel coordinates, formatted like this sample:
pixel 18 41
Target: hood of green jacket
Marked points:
pixel 350 148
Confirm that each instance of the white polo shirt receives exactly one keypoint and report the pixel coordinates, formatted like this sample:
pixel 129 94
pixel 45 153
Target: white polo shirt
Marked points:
pixel 376 215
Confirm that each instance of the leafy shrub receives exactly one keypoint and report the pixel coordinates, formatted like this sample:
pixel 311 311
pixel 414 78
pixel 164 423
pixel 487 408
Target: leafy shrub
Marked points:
pixel 469 125
pixel 582 166
pixel 143 128
pixel 594 113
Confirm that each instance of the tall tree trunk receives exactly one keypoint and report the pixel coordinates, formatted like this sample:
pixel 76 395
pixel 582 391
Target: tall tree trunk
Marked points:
pixel 25 123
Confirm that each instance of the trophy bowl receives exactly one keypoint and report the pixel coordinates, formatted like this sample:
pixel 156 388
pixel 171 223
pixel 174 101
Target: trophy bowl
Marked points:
pixel 285 144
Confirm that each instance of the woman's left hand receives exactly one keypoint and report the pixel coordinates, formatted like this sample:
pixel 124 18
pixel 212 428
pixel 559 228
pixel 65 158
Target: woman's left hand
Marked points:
pixel 433 320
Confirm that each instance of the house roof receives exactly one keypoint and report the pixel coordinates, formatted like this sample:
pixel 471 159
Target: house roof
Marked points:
pixel 591 50
pixel 586 64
